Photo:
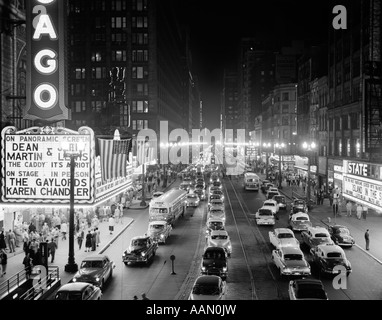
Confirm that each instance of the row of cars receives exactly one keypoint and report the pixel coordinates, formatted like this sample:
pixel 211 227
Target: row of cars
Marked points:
pixel 324 245
pixel 211 284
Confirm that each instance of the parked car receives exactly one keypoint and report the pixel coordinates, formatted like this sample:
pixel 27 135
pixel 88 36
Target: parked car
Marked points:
pixel 215 262
pixel 142 249
pixel 307 289
pixel 192 200
pixel 265 216
pixel 299 221
pixel 341 236
pixel 159 231
pixel 315 236
pixel 78 291
pixel 208 287
pixel 281 201
pixel 283 237
pixel 327 258
pixel 220 238
pixel 291 261
pixel 272 205
pixel 298 205
pixel 95 269
pixel 214 224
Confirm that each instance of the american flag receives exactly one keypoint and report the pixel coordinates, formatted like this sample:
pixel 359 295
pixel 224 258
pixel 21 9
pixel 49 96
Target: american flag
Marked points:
pixel 114 155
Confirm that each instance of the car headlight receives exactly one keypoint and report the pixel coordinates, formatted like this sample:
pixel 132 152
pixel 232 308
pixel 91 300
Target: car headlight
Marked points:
pixel 143 254
pixel 203 268
pixel 97 279
pixel 74 280
pixel 162 236
pixel 224 269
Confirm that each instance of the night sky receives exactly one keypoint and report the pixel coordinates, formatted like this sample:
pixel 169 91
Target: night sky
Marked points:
pixel 217 26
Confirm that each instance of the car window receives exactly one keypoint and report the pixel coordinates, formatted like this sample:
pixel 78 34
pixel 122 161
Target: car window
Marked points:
pixel 334 255
pixel 206 290
pixel 310 293
pixel 293 256
pixel 157 227
pixel 265 212
pixel 302 219
pixel 69 295
pixel 285 235
pixel 320 235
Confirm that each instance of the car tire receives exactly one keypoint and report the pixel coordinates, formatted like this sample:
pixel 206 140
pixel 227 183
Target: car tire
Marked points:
pixel 111 274
pixel 125 263
pixel 102 284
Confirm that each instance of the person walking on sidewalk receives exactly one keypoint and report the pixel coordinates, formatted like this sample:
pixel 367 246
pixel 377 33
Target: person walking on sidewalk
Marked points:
pixel 359 211
pixel 349 207
pixel 335 207
pixel 3 262
pixel 3 245
pixel 88 242
pixel 64 230
pixel 111 224
pixel 364 211
pixel 367 239
pixel 80 238
pixel 52 246
pixel 27 262
pixel 11 240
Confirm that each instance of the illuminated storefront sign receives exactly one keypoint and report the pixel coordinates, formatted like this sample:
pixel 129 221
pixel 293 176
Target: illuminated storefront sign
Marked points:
pixel 46 81
pixel 35 169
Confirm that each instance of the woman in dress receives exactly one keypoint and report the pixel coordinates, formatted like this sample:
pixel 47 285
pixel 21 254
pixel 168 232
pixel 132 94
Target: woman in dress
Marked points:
pixel 88 242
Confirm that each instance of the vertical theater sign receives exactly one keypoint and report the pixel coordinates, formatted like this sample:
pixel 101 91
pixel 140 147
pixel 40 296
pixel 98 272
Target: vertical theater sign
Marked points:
pixel 46 97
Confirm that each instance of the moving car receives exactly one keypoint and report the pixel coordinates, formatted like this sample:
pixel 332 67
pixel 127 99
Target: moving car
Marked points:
pixel 218 184
pixel 291 261
pixel 328 257
pixel 184 186
pixel 215 224
pixel 271 205
pixel 265 187
pixel 315 236
pixel 283 237
pixel 78 291
pixel 271 194
pixel 341 236
pixel 215 262
pixel 299 221
pixel 265 216
pixel 214 196
pixel 264 184
pixel 95 269
pixel 208 287
pixel 281 201
pixel 159 231
pixel 220 238
pixel 142 249
pixel 218 192
pixel 306 289
pixel 201 193
pixel 212 188
pixel 192 200
pixel 216 203
pixel 216 213
pixel 298 205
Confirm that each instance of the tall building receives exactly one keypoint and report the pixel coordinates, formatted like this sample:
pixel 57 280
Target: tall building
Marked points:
pixel 142 44
pixel 229 109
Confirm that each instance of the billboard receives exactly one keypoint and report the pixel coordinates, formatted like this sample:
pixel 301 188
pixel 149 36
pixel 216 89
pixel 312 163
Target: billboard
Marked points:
pixel 36 169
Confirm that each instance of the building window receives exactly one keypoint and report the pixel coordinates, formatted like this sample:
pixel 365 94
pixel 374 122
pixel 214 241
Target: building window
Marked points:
pixel 97 106
pixel 285 121
pixel 358 148
pixel 139 106
pixel 118 55
pixel 80 73
pixel 118 5
pixel 285 96
pixel 340 147
pixel 124 116
pixel 96 57
pixel 348 147
pixel 118 37
pixel 139 22
pixel 140 89
pixel 140 124
pixel 140 55
pixel 285 108
pixel 79 106
pixel 118 22
pixel 139 5
pixel 139 73
pixel 139 38
pixel 98 73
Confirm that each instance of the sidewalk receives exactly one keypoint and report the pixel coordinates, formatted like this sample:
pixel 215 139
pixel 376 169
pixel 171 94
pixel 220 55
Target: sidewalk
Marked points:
pixel 321 213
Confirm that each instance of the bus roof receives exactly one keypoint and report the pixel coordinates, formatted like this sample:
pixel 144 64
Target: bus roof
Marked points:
pixel 251 174
pixel 169 197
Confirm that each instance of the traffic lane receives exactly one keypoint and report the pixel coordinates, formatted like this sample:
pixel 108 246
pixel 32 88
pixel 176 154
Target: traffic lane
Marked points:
pixel 155 279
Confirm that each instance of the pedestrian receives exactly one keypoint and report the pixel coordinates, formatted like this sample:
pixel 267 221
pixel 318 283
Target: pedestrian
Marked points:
pixel 367 239
pixel 335 207
pixel 27 262
pixel 11 240
pixel 111 224
pixel 64 230
pixel 144 297
pixel 80 238
pixel 364 211
pixel 331 199
pixel 117 214
pixel 88 242
pixel 94 244
pixel 349 207
pixel 98 236
pixel 135 298
pixel 3 262
pixel 52 246
pixel 3 245
pixel 359 211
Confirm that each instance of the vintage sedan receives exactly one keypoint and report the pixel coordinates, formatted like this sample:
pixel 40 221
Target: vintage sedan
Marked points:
pixel 185 186
pixel 216 212
pixel 307 289
pixel 291 262
pixel 265 216
pixel 95 269
pixel 299 222
pixel 142 249
pixel 201 193
pixel 215 262
pixel 271 205
pixel 283 237
pixel 214 224
pixel 330 259
pixel 298 205
pixel 218 192
pixel 264 185
pixel 216 203
pixel 214 196
pixel 341 236
pixel 212 188
pixel 315 236
pixel 78 291
pixel 281 201
pixel 159 231
pixel 192 200
pixel 208 287
pixel 220 238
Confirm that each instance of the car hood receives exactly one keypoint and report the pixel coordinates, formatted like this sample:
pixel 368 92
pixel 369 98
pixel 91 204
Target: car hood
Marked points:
pixel 205 297
pixel 288 242
pixel 295 264
pixel 88 272
pixel 220 243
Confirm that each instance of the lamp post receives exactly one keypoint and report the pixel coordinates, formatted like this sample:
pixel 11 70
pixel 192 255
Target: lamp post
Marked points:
pixel 73 151
pixel 143 200
pixel 266 146
pixel 309 147
pixel 280 146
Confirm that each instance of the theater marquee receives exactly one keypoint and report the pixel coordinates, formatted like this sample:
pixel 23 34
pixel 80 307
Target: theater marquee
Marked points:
pixel 35 170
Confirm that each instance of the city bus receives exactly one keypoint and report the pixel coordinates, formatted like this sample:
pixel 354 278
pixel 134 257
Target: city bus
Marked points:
pixel 251 181
pixel 168 207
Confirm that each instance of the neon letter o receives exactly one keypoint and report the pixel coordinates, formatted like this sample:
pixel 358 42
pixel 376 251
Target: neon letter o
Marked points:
pixel 52 96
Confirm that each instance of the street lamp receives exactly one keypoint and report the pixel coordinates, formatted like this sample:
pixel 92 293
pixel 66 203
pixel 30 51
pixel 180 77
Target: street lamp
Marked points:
pixel 309 147
pixel 267 146
pixel 72 151
pixel 144 146
pixel 280 146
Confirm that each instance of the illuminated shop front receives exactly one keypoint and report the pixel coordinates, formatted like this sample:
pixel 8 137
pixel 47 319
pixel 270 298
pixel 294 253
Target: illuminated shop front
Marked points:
pixel 362 183
pixel 335 174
